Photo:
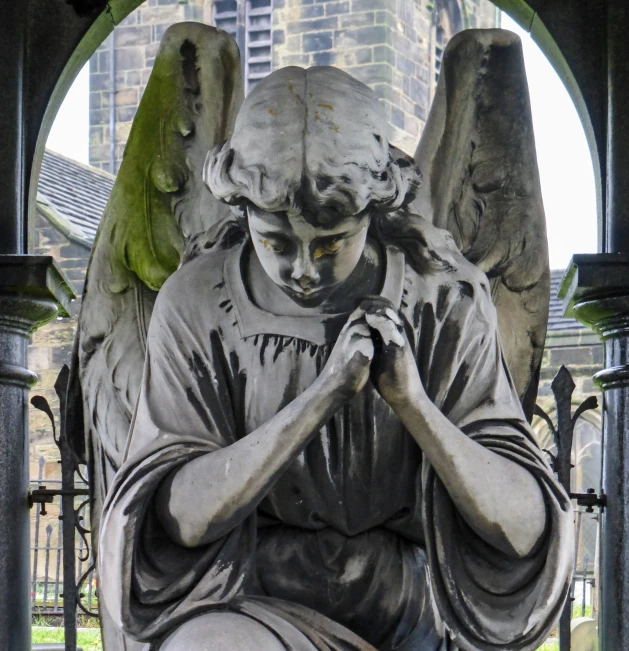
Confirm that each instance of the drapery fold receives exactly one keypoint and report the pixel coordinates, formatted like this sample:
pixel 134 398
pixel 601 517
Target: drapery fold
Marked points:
pixel 206 385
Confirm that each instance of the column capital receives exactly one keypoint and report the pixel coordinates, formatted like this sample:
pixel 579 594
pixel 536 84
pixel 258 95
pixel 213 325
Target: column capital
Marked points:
pixel 36 276
pixel 595 291
pixel 33 290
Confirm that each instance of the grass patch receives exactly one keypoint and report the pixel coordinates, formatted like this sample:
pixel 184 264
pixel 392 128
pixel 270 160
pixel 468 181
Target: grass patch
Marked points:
pixel 549 646
pixel 577 611
pixel 88 640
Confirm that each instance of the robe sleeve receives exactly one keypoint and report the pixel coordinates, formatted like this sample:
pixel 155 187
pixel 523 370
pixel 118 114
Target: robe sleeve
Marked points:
pixel 149 582
pixel 488 600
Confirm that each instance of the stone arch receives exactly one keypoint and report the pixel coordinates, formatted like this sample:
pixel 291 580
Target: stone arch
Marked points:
pixel 583 97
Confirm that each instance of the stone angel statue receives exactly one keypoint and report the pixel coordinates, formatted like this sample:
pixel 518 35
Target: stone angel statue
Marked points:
pixel 306 362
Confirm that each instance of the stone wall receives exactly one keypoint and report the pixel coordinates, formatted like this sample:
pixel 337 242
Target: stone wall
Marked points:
pixel 388 44
pixel 135 41
pixel 51 346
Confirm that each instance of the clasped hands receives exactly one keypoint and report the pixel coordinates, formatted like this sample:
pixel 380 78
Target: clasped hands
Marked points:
pixel 373 343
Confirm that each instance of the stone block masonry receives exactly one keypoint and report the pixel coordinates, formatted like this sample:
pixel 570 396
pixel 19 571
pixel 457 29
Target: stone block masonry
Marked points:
pixel 387 44
pixel 116 91
pixel 51 346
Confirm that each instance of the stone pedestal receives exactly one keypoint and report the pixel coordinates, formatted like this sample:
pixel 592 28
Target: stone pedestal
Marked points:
pixel 596 290
pixel 32 292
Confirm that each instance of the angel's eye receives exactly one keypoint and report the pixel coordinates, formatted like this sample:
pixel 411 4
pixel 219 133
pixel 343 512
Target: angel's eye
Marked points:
pixel 277 246
pixel 328 248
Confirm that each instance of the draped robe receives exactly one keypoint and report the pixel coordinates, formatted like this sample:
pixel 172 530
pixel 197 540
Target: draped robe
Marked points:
pixel 357 545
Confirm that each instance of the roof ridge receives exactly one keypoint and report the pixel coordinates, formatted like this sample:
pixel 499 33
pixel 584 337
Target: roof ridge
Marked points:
pixel 85 166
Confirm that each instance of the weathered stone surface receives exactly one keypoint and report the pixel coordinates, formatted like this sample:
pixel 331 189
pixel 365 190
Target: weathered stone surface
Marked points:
pixel 280 306
pixel 336 32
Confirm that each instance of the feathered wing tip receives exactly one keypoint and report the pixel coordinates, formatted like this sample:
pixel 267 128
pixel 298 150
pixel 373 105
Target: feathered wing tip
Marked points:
pixel 477 155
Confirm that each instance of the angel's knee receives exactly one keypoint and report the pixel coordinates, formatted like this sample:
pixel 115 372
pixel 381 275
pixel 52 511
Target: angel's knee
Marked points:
pixel 221 631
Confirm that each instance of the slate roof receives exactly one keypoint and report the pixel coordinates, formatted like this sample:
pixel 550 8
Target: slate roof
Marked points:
pixel 78 193
pixel 555 314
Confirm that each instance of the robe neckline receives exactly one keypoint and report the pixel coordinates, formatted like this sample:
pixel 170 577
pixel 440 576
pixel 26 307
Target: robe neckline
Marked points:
pixel 319 329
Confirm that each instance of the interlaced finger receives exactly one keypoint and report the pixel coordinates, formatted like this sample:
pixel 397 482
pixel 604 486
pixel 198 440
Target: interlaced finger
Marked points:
pixel 382 306
pixel 390 332
pixel 359 331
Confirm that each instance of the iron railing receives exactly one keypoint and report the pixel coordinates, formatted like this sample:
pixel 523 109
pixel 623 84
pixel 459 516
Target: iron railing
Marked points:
pixel 73 491
pixel 47 581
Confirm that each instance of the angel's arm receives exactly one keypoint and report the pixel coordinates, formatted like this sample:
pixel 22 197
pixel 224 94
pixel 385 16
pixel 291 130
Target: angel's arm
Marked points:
pixel 498 498
pixel 210 495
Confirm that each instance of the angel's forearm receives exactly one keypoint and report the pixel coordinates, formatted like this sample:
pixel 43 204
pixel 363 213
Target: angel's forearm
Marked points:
pixel 498 498
pixel 206 498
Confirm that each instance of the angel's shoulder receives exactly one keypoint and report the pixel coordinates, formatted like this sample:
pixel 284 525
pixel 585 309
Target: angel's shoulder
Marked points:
pixel 198 285
pixel 451 286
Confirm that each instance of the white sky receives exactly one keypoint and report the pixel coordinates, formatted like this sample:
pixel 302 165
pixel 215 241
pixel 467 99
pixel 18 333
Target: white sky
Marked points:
pixel 70 130
pixel 563 155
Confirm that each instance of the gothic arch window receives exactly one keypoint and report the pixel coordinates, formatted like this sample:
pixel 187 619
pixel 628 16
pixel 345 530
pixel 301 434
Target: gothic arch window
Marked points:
pixel 447 20
pixel 250 23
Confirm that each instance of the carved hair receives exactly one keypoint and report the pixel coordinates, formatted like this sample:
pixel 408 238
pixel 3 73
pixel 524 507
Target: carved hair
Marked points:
pixel 311 139
pixel 315 139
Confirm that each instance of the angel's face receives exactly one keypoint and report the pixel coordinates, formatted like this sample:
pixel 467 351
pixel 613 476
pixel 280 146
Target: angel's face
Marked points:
pixel 307 260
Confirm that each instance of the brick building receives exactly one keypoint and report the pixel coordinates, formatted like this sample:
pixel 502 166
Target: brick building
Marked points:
pixel 395 46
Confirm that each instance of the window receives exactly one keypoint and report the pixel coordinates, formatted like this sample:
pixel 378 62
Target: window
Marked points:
pixel 250 23
pixel 447 20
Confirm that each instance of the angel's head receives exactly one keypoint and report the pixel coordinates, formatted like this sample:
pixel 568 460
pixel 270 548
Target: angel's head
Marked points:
pixel 309 166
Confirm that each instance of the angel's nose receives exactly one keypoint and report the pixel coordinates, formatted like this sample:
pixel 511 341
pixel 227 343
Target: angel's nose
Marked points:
pixel 305 272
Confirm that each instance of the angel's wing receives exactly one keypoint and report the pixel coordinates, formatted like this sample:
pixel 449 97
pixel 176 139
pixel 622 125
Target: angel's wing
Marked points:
pixel 158 203
pixel 481 183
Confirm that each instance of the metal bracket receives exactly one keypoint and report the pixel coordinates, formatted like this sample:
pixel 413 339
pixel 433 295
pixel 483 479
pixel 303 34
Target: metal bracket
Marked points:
pixel 43 496
pixel 590 499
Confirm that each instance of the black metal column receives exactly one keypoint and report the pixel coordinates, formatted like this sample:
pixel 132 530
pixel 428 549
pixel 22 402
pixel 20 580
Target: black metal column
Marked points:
pixel 18 317
pixel 597 286
pixel 30 290
pixel 31 287
pixel 616 232
pixel 12 190
pixel 14 330
pixel 603 304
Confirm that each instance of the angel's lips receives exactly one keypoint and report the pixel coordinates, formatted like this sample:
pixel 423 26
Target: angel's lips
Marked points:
pixel 310 296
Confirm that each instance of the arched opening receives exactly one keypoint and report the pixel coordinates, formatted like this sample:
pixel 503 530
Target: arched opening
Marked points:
pixel 446 22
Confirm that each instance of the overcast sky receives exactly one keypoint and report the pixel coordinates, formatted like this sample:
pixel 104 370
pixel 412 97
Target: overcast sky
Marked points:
pixel 564 159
